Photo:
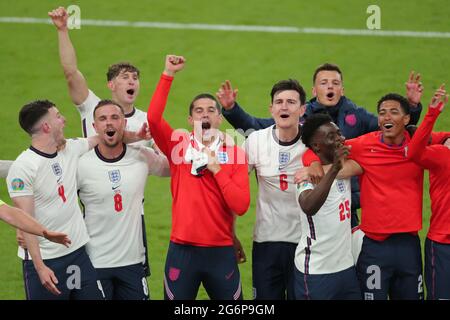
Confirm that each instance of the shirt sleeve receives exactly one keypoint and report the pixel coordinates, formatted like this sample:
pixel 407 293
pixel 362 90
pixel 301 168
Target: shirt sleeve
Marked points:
pixel 309 157
pixel 160 129
pixel 88 105
pixel 303 186
pixel 439 137
pixel 415 114
pixel 418 151
pixel 77 147
pixel 356 148
pixel 235 186
pixel 20 179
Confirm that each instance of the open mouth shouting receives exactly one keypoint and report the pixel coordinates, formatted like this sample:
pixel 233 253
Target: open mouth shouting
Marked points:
pixel 206 125
pixel 110 132
pixel 330 96
pixel 388 126
pixel 284 116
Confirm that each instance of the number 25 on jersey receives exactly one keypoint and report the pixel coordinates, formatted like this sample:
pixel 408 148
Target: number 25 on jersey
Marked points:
pixel 344 210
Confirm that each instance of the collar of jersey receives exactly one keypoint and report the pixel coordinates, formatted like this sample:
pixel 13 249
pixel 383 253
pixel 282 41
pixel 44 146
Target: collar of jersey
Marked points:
pixel 288 143
pixel 43 154
pixel 101 157
pixel 129 115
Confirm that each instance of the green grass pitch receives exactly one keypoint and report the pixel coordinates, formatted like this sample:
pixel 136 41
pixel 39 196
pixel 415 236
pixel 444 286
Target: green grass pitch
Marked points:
pixel 253 61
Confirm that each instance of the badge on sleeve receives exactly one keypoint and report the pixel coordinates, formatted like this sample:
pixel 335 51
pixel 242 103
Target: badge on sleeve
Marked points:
pixel 17 184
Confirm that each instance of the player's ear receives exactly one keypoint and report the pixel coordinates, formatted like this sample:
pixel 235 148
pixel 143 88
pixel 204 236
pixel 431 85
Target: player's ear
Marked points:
pixel 406 119
pixel 45 127
pixel 314 92
pixel 302 110
pixel 110 85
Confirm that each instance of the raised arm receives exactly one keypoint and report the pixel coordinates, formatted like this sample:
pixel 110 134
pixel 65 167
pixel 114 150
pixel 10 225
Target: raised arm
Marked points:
pixel 235 115
pixel 311 198
pixel 76 82
pixel 414 90
pixel 46 275
pixel 417 146
pixel 161 130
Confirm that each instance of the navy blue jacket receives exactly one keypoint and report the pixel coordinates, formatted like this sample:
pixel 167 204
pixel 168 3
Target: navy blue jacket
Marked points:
pixel 353 121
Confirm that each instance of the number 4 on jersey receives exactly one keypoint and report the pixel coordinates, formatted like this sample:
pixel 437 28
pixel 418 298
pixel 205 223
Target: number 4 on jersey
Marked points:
pixel 61 193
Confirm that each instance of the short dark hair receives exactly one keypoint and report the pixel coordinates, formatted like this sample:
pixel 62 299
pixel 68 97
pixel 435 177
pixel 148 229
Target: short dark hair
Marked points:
pixel 289 84
pixel 312 123
pixel 115 69
pixel 327 67
pixel 203 96
pixel 404 104
pixel 106 102
pixel 32 112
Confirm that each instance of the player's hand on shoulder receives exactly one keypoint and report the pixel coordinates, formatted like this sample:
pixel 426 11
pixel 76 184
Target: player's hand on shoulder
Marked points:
pixel 301 175
pixel 226 95
pixel 173 64
pixel 144 132
pixel 314 173
pixel 59 18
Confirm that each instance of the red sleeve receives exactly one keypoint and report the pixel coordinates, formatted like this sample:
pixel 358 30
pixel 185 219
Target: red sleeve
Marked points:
pixel 422 135
pixel 355 151
pixel 439 137
pixel 235 187
pixel 159 128
pixel 417 147
pixel 309 157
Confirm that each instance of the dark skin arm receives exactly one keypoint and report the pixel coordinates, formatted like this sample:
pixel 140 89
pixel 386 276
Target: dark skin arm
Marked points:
pixel 312 200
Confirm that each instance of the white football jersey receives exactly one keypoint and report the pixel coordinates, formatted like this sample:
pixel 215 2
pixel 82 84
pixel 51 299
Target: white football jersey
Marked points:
pixel 277 209
pixel 326 244
pixel 134 119
pixel 51 180
pixel 112 194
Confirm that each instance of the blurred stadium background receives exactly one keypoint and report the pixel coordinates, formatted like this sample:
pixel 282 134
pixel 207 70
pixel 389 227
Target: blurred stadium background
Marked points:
pixel 253 61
